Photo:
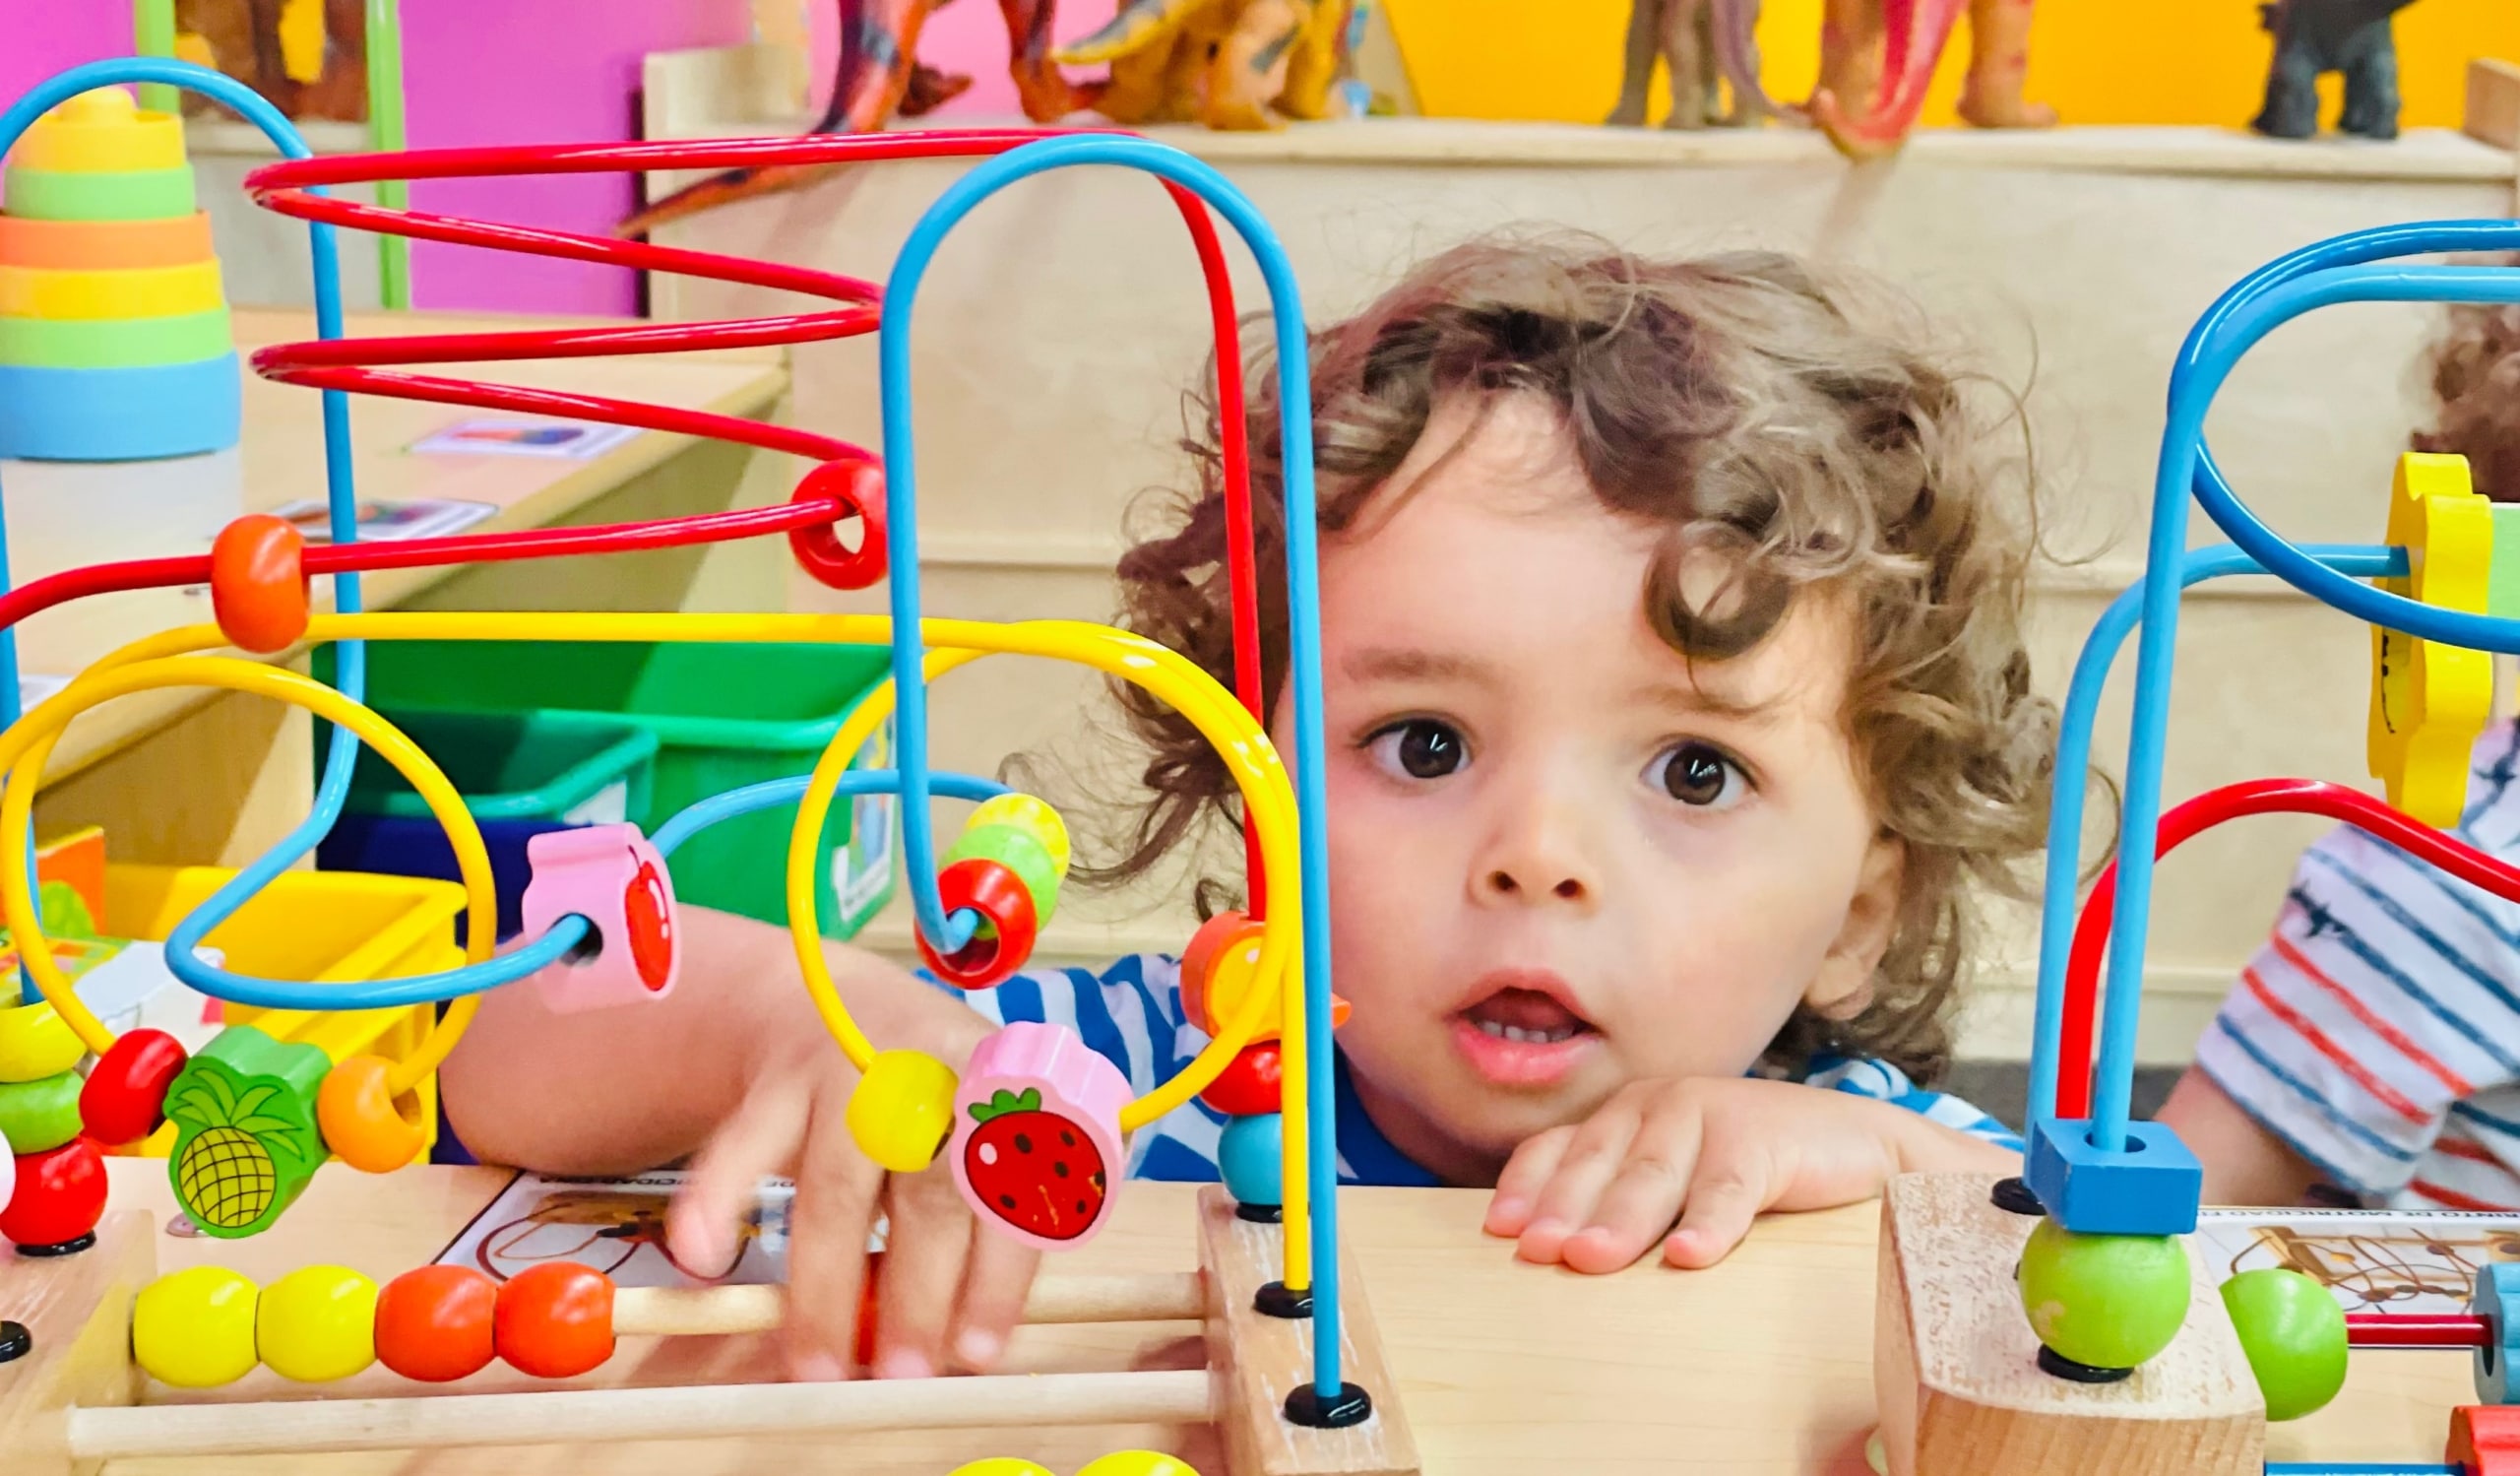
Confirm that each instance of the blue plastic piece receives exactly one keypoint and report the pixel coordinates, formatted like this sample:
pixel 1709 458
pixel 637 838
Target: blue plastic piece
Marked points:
pixel 120 415
pixel 2497 1295
pixel 1251 1155
pixel 2151 1186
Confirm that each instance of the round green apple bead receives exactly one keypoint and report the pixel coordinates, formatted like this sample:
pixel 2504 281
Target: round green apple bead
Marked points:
pixel 2105 1301
pixel 2293 1334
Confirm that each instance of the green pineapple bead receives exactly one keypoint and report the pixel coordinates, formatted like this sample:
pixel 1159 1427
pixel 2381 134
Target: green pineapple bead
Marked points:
pixel 246 1138
pixel 1020 853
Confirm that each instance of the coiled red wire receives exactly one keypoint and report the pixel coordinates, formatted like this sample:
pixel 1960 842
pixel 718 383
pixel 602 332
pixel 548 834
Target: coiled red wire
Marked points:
pixel 376 365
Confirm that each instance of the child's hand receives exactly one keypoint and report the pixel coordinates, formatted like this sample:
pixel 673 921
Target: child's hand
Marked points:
pixel 1711 1153
pixel 950 1294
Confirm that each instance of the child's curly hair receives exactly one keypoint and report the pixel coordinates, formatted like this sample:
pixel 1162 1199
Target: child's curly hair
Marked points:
pixel 2475 374
pixel 1738 402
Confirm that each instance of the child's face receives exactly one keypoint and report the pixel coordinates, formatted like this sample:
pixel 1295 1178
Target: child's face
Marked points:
pixel 1562 858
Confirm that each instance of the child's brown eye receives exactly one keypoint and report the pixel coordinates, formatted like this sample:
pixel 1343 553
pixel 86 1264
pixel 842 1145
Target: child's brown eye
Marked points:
pixel 1419 749
pixel 1699 775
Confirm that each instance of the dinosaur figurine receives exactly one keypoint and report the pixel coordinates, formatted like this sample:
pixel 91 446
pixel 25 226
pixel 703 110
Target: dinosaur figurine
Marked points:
pixel 1699 42
pixel 1230 64
pixel 1877 57
pixel 878 76
pixel 2313 37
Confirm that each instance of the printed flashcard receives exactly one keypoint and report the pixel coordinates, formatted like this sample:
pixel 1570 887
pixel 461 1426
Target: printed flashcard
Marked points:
pixel 2407 1263
pixel 521 435
pixel 388 521
pixel 616 1226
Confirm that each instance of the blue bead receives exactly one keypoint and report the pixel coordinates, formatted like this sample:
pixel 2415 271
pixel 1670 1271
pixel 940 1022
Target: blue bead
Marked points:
pixel 120 415
pixel 2151 1186
pixel 1252 1157
pixel 2497 1297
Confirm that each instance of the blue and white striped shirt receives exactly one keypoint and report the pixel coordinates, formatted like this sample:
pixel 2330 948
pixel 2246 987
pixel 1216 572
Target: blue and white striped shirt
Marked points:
pixel 1131 1015
pixel 2377 1031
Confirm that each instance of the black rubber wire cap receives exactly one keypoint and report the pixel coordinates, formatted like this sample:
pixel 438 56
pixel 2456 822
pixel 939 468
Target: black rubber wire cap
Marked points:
pixel 2014 1196
pixel 2052 1361
pixel 66 1248
pixel 1308 1408
pixel 1275 1300
pixel 16 1342
pixel 1260 1214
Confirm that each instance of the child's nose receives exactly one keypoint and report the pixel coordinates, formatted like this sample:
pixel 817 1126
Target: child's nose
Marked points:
pixel 1538 858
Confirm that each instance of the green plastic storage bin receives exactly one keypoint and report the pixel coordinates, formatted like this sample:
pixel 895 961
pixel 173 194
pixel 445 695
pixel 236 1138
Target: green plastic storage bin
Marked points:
pixel 723 715
pixel 566 767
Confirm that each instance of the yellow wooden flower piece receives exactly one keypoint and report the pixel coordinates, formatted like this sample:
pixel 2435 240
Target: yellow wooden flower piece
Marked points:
pixel 318 1324
pixel 2429 700
pixel 195 1329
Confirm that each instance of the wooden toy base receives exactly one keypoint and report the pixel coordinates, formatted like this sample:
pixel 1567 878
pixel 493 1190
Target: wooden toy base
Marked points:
pixel 71 1405
pixel 1955 1363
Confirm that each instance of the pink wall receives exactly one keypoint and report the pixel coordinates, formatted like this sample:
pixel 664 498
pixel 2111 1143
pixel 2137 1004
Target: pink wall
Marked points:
pixel 47 35
pixel 536 72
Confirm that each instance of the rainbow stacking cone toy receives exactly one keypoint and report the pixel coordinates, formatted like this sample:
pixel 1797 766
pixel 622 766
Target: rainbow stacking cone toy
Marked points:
pixel 115 338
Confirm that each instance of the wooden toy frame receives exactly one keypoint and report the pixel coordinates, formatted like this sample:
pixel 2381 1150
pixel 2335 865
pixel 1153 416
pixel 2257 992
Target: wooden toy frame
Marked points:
pixel 74 1403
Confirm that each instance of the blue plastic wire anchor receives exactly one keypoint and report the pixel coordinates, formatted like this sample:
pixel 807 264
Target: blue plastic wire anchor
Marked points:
pixel 2498 1297
pixel 1295 398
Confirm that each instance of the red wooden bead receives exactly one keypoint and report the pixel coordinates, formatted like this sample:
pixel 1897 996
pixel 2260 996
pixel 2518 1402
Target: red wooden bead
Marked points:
pixel 125 1097
pixel 60 1197
pixel 258 583
pixel 1249 1086
pixel 434 1325
pixel 994 954
pixel 554 1320
pixel 858 487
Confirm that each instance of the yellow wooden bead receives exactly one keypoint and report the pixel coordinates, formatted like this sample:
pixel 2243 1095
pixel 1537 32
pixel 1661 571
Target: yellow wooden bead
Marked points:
pixel 1003 1465
pixel 195 1329
pixel 2429 700
pixel 903 1111
pixel 36 1043
pixel 1139 1463
pixel 318 1324
pixel 1032 817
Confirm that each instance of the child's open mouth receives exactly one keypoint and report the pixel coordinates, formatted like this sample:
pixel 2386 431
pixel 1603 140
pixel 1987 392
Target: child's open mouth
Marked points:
pixel 1521 1030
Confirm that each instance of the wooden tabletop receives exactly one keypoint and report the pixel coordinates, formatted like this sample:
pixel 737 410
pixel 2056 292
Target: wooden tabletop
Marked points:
pixel 172 508
pixel 1762 1365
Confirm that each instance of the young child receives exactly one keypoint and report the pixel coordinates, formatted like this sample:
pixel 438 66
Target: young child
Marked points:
pixel 1675 700
pixel 2372 1046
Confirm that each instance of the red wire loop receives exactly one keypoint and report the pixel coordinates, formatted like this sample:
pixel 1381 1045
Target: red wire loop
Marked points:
pixel 2252 796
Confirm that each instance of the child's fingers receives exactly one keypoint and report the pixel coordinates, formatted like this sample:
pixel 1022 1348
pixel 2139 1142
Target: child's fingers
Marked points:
pixel 829 1226
pixel 1726 1194
pixel 760 1139
pixel 924 1259
pixel 994 1283
pixel 1525 1174
pixel 1644 1198
pixel 1566 1202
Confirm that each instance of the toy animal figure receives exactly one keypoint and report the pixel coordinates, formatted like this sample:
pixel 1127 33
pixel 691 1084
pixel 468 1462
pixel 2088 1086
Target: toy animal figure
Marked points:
pixel 878 76
pixel 2313 37
pixel 1699 42
pixel 1230 64
pixel 259 43
pixel 1877 57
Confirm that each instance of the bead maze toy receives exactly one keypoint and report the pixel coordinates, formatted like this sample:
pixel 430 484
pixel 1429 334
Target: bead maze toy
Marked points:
pixel 1032 1131
pixel 2056 1321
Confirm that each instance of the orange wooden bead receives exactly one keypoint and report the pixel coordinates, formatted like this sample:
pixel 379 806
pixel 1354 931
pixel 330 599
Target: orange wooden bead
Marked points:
pixel 434 1325
pixel 554 1320
pixel 361 1123
pixel 258 583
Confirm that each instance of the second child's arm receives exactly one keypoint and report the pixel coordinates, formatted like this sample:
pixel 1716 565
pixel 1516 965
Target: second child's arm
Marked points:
pixel 736 1071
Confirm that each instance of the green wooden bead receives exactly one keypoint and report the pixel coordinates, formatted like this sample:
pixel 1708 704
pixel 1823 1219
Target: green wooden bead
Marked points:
pixel 102 195
pixel 1018 852
pixel 246 1139
pixel 40 1116
pixel 2293 1334
pixel 115 344
pixel 2110 1301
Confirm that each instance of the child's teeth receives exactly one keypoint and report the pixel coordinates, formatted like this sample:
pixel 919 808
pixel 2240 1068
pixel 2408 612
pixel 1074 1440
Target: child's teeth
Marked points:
pixel 1519 1034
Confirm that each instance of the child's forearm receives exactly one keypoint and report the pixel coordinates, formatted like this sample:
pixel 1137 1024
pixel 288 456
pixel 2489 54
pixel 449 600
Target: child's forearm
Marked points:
pixel 2244 1164
pixel 616 1090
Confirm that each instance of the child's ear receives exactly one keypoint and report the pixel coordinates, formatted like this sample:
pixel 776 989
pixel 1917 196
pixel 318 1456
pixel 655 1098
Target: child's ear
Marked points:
pixel 1843 987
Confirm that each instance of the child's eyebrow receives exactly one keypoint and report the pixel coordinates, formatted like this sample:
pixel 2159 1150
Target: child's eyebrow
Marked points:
pixel 1406 664
pixel 1695 698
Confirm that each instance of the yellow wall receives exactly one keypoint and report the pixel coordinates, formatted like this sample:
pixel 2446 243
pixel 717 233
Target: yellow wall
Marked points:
pixel 2099 61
